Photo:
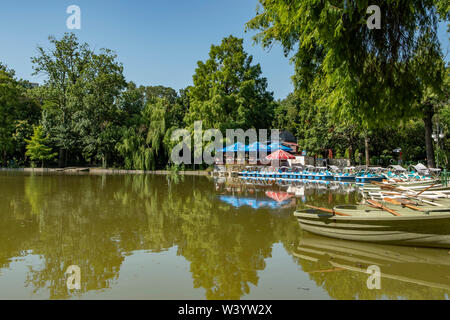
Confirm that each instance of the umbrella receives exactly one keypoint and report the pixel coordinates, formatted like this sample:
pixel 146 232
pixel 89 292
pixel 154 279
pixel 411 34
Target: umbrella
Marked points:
pixel 276 146
pixel 234 148
pixel 280 155
pixel 278 196
pixel 257 146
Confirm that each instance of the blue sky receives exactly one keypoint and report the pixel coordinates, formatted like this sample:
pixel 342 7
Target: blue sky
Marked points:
pixel 159 42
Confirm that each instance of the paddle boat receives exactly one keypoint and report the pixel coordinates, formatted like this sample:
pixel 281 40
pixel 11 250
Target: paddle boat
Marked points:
pixel 370 174
pixel 346 174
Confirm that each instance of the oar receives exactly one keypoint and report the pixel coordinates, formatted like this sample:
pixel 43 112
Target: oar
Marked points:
pixel 431 203
pixel 393 193
pixel 390 187
pixel 427 188
pixel 383 185
pixel 328 210
pixel 402 203
pixel 379 205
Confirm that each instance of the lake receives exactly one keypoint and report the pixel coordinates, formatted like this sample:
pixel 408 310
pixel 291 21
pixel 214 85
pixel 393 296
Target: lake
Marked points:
pixel 187 237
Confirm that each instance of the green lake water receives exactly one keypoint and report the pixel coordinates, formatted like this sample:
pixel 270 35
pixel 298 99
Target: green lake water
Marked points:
pixel 173 237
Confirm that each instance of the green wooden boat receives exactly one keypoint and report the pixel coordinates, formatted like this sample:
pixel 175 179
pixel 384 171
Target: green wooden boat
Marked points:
pixel 428 228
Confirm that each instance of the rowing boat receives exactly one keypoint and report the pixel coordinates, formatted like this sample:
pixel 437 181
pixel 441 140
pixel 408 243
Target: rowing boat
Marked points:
pixel 427 228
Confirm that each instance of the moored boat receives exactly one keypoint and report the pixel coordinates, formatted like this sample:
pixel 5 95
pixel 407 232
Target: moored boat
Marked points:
pixel 427 228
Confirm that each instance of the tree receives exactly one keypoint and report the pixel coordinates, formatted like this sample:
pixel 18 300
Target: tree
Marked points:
pixel 81 91
pixel 228 91
pixel 23 131
pixel 63 66
pixel 17 109
pixel 97 114
pixel 9 93
pixel 37 147
pixel 131 104
pixel 146 145
pixel 153 92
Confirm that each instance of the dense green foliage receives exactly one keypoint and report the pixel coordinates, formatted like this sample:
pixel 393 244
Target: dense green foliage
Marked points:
pixel 92 116
pixel 376 73
pixel 228 91
pixel 79 99
pixel 355 89
pixel 368 78
pixel 37 147
pixel 18 113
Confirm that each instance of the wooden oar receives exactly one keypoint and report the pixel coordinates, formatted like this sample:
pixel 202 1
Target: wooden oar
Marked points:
pixel 393 193
pixel 390 187
pixel 431 203
pixel 427 188
pixel 328 210
pixel 379 205
pixel 402 203
pixel 383 185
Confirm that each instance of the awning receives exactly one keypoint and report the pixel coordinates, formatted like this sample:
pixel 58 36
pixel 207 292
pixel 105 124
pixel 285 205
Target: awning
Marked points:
pixel 277 146
pixel 233 148
pixel 257 146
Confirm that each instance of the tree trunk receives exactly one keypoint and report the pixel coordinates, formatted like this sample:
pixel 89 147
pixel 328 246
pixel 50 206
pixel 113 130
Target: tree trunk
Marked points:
pixel 366 148
pixel 428 121
pixel 350 154
pixel 104 161
pixel 66 152
pixel 61 157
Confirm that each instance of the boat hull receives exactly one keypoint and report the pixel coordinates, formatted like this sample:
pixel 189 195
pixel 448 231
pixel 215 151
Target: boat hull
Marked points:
pixel 421 231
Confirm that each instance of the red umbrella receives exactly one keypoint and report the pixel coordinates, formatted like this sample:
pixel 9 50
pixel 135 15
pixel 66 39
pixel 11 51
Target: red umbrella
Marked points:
pixel 278 196
pixel 280 155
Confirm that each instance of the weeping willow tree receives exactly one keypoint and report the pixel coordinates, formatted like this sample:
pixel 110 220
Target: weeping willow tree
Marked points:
pixel 142 146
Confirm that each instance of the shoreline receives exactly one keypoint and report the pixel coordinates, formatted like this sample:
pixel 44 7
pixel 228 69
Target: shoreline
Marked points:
pixel 83 170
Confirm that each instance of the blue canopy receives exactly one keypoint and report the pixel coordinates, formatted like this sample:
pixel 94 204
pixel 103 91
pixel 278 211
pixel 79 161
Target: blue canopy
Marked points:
pixel 257 146
pixel 238 202
pixel 233 148
pixel 277 146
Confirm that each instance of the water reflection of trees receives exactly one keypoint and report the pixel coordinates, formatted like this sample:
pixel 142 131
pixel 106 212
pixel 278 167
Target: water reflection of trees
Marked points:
pixel 18 230
pixel 95 221
pixel 226 248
